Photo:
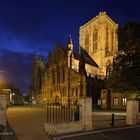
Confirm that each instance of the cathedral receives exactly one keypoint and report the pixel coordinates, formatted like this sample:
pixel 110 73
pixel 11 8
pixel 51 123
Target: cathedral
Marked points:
pixel 68 75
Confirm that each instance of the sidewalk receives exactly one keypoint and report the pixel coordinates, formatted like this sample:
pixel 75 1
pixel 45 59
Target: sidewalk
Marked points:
pixel 102 120
pixel 102 123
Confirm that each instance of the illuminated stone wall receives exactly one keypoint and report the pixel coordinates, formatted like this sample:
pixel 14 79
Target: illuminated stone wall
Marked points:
pixel 55 87
pixel 99 38
pixel 67 73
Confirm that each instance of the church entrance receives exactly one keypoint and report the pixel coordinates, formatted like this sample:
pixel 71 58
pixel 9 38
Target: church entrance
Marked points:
pixel 57 100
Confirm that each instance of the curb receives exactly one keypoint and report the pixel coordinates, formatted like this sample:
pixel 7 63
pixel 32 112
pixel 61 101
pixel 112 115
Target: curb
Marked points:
pixel 94 132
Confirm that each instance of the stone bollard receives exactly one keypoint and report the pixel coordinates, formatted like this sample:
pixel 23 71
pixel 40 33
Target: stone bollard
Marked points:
pixel 132 112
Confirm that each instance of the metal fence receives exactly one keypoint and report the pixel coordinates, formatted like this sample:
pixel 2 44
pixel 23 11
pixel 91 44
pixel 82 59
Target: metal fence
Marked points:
pixel 58 113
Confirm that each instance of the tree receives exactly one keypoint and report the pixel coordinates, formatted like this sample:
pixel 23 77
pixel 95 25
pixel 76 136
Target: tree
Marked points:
pixel 124 74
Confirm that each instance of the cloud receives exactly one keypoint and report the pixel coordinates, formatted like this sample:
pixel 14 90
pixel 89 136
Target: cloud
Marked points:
pixel 2 71
pixel 15 68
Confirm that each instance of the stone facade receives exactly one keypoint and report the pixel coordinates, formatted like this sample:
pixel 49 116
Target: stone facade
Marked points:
pixel 68 76
pixel 99 38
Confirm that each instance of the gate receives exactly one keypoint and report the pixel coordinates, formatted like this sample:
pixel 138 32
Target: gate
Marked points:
pixel 55 113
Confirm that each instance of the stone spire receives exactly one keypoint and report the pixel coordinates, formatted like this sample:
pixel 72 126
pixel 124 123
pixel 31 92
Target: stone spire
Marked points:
pixel 70 51
pixel 70 44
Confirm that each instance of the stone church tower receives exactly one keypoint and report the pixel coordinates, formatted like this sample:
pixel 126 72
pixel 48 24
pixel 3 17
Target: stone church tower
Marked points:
pixel 98 37
pixel 37 78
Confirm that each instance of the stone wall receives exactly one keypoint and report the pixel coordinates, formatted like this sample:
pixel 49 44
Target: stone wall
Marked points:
pixel 107 40
pixel 3 108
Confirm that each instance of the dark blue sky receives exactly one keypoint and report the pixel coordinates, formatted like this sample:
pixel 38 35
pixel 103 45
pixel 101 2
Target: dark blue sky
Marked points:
pixel 29 27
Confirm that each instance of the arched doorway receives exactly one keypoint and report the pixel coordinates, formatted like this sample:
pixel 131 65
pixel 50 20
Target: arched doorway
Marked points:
pixel 57 100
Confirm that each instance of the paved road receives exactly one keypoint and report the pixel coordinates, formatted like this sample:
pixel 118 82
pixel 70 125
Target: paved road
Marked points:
pixel 27 123
pixel 125 134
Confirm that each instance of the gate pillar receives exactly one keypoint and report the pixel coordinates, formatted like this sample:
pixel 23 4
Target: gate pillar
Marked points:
pixel 132 112
pixel 86 112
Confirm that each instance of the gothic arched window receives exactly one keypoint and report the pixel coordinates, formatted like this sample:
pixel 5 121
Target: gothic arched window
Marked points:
pixel 112 40
pixel 58 75
pixel 87 42
pixel 53 76
pixel 63 74
pixel 95 40
pixel 107 39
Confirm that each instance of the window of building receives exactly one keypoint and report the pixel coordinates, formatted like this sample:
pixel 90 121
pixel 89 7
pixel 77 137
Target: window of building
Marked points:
pixel 87 42
pixel 112 40
pixel 51 95
pixel 63 72
pixel 72 91
pixel 53 76
pixel 103 102
pixel 63 92
pixel 124 101
pixel 76 92
pixel 58 75
pixel 107 39
pixel 95 40
pixel 115 101
pixel 60 91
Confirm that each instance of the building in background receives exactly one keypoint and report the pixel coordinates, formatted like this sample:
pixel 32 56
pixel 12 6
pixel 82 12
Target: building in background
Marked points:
pixel 6 91
pixel 13 95
pixel 116 100
pixel 37 77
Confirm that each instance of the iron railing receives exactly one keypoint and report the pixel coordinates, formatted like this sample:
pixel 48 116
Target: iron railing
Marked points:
pixel 58 113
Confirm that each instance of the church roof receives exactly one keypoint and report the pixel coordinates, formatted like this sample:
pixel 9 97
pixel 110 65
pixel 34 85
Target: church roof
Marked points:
pixel 83 58
pixel 86 58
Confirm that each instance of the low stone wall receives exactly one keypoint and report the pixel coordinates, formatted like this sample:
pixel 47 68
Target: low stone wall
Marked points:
pixel 67 127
